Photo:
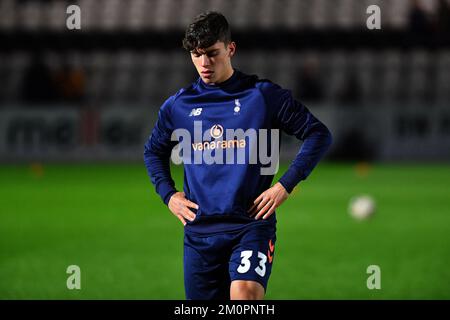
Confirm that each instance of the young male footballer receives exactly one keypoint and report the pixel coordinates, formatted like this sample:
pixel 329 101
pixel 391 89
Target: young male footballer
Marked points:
pixel 228 204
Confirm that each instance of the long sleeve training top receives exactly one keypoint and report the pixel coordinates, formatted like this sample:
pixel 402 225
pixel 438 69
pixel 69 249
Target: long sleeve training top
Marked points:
pixel 200 117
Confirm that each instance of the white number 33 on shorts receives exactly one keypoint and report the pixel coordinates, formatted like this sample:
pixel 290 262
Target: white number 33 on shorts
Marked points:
pixel 246 264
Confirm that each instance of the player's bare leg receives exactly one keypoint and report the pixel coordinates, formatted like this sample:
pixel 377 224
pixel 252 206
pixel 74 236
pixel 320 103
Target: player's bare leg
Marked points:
pixel 246 290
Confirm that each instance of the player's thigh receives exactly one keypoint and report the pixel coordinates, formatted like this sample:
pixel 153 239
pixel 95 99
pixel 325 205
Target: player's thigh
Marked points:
pixel 253 257
pixel 206 274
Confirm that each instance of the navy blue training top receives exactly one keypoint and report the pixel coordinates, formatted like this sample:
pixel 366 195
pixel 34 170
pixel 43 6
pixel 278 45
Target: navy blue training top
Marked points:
pixel 224 192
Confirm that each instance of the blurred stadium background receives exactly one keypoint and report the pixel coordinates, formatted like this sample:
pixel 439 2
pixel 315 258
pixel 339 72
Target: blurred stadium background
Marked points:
pixel 76 107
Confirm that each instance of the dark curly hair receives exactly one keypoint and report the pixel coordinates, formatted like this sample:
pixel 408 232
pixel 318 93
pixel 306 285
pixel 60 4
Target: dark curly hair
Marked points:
pixel 207 28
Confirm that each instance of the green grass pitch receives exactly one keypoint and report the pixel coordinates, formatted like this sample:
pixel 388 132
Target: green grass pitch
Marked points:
pixel 108 220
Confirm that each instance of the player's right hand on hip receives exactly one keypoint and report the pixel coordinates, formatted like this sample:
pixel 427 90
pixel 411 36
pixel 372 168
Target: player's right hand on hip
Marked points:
pixel 179 206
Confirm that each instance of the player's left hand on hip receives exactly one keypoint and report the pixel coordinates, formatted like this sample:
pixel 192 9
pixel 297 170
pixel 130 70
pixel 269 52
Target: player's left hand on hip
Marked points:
pixel 268 201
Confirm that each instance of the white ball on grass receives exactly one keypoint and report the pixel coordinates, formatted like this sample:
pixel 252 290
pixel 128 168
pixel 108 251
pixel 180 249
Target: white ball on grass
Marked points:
pixel 362 207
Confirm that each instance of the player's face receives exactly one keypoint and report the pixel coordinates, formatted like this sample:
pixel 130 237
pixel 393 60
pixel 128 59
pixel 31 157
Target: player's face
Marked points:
pixel 213 64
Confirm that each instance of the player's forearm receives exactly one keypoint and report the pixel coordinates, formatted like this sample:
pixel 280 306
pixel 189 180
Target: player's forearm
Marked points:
pixel 313 149
pixel 158 168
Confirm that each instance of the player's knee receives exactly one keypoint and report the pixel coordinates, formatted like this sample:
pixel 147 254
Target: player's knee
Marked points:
pixel 249 294
pixel 246 290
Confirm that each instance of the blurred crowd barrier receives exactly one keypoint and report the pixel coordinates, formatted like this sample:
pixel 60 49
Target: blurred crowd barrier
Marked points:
pixel 374 132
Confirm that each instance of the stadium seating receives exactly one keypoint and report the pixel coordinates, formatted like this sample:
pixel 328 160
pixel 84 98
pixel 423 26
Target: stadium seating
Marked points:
pixel 126 75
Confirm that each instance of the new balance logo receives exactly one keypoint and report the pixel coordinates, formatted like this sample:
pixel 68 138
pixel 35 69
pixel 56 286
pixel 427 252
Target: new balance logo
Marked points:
pixel 195 112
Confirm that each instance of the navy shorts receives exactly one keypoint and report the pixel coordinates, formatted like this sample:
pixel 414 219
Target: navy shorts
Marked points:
pixel 211 262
